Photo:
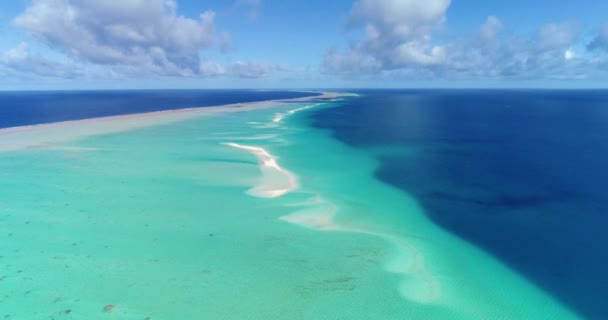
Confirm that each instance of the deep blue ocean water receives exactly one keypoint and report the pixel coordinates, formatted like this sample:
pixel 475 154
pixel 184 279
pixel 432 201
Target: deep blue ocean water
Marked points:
pixel 521 174
pixel 29 107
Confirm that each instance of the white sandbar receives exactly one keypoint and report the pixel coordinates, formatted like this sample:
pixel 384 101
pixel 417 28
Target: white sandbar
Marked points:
pixel 418 284
pixel 275 180
pixel 51 134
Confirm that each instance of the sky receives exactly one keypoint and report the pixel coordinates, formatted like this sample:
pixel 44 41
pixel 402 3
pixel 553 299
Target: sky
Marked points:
pixel 147 44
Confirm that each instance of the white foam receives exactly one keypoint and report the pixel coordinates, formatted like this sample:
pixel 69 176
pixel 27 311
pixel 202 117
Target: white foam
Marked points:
pixel 275 180
pixel 268 136
pixel 280 116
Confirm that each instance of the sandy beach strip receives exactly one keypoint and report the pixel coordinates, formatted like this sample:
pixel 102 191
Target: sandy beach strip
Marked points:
pixel 50 134
pixel 275 180
pixel 417 283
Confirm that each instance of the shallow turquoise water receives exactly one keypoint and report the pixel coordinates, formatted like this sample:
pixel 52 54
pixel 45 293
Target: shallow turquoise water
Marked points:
pixel 157 223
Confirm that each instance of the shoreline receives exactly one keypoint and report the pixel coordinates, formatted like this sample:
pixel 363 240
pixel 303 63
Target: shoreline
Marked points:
pixel 269 186
pixel 46 135
pixel 416 284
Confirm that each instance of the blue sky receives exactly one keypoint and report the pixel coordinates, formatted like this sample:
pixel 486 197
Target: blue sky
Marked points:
pixel 105 44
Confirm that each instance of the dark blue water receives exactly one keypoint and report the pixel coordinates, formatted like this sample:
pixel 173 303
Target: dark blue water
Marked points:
pixel 26 108
pixel 521 174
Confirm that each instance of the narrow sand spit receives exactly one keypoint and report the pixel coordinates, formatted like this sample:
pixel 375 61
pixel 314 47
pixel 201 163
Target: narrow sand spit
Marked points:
pixel 275 180
pixel 49 135
pixel 280 116
pixel 417 284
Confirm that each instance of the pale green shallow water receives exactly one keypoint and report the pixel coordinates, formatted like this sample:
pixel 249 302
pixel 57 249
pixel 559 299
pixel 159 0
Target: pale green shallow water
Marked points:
pixel 157 223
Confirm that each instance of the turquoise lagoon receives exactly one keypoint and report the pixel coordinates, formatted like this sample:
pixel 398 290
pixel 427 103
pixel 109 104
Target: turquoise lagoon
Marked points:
pixel 232 215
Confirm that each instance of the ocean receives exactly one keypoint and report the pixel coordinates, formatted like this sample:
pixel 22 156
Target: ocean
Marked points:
pixel 382 205
pixel 523 174
pixel 20 108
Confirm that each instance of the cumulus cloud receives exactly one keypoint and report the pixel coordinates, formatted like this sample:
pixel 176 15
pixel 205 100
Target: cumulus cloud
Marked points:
pixel 349 62
pixel 21 60
pixel 212 69
pixel 397 35
pixel 600 42
pixel 491 28
pixel 226 44
pixel 558 35
pixel 250 69
pixel 143 35
pixel 398 41
pixel 548 55
pixel 240 69
pixel 398 32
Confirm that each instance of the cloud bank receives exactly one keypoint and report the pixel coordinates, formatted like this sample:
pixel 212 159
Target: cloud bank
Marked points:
pixel 239 69
pixel 127 38
pixel 21 60
pixel 148 34
pixel 397 35
pixel 600 42
pixel 399 41
pixel 394 39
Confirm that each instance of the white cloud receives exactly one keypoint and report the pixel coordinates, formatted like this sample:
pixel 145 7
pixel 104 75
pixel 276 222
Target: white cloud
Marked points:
pixel 252 7
pixel 398 42
pixel 349 62
pixel 397 34
pixel 22 61
pixel 145 36
pixel 491 28
pixel 516 57
pixel 601 39
pixel 212 69
pixel 557 35
pixel 239 69
pixel 250 69
pixel 226 43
